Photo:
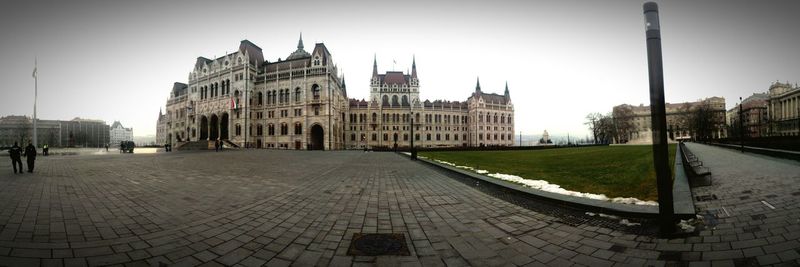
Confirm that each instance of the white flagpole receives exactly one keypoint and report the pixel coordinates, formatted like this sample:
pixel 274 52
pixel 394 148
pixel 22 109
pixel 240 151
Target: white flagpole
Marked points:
pixel 35 95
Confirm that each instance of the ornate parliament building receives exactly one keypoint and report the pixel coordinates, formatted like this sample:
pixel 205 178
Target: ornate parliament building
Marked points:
pixel 301 103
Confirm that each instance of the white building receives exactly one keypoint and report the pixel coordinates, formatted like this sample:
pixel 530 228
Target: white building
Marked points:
pixel 118 133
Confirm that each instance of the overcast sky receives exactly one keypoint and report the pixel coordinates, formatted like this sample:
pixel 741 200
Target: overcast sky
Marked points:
pixel 117 60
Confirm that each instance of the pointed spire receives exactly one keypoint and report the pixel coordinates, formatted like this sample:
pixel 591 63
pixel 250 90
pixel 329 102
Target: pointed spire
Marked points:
pixel 414 66
pixel 506 93
pixel 343 84
pixel 375 66
pixel 300 43
pixel 478 85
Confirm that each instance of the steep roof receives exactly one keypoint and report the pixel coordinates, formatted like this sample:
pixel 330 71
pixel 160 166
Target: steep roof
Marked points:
pixel 394 77
pixel 322 50
pixel 200 61
pixel 256 56
pixel 179 89
pixel 490 98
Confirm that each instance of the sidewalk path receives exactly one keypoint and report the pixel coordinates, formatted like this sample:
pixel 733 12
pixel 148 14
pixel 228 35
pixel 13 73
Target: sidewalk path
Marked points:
pixel 280 208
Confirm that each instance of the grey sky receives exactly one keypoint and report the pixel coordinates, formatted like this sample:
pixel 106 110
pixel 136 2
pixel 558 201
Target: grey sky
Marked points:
pixel 117 60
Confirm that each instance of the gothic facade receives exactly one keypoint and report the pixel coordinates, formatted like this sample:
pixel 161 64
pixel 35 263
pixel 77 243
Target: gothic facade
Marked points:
pixel 301 103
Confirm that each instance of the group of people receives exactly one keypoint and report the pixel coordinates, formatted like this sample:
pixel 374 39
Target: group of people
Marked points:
pixel 218 145
pixel 16 153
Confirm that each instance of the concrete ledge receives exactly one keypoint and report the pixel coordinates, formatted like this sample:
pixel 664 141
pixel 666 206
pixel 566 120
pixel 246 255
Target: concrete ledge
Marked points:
pixel 682 197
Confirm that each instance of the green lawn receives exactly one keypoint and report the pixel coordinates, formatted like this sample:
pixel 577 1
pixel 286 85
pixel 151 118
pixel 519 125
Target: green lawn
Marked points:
pixel 616 171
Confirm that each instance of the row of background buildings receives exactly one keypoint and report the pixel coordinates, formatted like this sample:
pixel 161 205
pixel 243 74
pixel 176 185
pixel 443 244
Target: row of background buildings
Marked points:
pixel 772 113
pixel 58 133
pixel 301 102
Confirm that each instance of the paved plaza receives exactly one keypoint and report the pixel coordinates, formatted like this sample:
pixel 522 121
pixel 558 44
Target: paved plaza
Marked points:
pixel 281 208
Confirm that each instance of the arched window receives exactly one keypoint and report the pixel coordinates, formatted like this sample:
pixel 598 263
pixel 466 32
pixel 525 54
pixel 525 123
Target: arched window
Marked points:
pixel 238 129
pixel 405 100
pixel 385 100
pixel 271 129
pixel 216 90
pixel 374 117
pixel 394 101
pixel 315 91
pixel 284 129
pixel 259 130
pixel 495 118
pixel 260 98
pixel 297 94
pixel 227 86
pixel 417 117
pixel 298 128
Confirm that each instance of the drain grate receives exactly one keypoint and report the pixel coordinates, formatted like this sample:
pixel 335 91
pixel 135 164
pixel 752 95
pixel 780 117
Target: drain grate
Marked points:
pixel 618 248
pixel 378 245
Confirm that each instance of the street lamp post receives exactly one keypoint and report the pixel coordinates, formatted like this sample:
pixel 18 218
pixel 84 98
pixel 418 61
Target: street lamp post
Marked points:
pixel 741 126
pixel 658 119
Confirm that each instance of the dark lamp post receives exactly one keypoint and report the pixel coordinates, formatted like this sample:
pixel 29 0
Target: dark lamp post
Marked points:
pixel 658 119
pixel 741 126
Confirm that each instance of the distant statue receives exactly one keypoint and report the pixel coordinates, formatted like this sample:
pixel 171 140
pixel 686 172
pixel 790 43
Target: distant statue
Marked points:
pixel 545 140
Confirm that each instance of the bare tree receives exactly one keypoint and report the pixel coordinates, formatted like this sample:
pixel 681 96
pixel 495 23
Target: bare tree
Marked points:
pixel 623 123
pixel 593 122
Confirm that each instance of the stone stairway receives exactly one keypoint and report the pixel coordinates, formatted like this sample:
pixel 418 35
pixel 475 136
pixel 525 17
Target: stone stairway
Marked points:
pixel 196 145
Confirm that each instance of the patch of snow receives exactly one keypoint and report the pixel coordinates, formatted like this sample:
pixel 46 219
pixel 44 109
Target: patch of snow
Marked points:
pixel 553 188
pixel 609 216
pixel 627 223
pixel 686 226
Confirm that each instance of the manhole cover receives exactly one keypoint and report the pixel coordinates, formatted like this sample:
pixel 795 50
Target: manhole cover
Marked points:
pixel 378 244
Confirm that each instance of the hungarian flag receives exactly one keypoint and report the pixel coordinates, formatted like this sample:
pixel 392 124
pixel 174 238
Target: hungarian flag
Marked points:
pixel 233 104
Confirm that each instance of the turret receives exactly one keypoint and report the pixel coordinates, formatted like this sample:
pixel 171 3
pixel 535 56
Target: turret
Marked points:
pixel 414 67
pixel 375 67
pixel 478 85
pixel 506 93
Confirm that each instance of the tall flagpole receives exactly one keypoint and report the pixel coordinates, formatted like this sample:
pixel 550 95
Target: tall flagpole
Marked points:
pixel 35 95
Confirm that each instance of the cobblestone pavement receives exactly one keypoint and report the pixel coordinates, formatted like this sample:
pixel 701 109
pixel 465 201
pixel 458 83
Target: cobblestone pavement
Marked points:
pixel 280 208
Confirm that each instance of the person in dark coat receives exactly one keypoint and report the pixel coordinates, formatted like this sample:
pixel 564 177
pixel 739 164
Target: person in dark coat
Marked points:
pixel 30 153
pixel 216 145
pixel 15 153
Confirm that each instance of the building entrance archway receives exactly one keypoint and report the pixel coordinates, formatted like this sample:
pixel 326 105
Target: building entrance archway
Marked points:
pixel 317 137
pixel 223 128
pixel 203 128
pixel 214 127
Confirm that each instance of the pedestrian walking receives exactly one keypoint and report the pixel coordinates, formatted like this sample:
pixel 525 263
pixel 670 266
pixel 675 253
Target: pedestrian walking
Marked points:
pixel 106 147
pixel 30 154
pixel 45 150
pixel 15 153
pixel 216 145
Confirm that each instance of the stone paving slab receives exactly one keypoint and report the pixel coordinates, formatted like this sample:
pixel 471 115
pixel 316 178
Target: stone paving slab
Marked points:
pixel 274 208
